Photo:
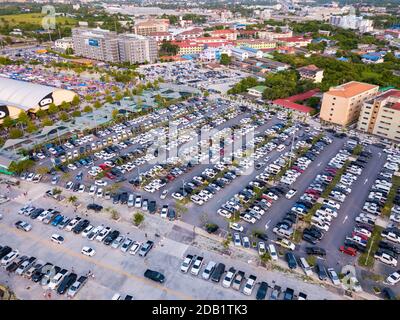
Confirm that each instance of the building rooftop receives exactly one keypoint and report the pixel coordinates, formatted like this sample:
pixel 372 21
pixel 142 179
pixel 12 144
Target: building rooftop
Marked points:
pixel 351 89
pixel 310 67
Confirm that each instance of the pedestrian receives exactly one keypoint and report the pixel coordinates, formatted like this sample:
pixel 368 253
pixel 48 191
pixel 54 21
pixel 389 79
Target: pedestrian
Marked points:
pixel 145 235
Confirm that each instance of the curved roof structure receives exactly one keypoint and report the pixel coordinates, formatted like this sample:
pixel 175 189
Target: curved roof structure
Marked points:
pixel 22 94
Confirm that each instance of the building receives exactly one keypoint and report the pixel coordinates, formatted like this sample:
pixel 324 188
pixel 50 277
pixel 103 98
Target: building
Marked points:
pixel 162 36
pixel 137 49
pixel 257 91
pixel 311 72
pixel 190 34
pixel 295 41
pixel 353 22
pixel 227 34
pixel 393 33
pixel 253 53
pixel 63 44
pixel 239 54
pixel 342 104
pixel 256 43
pixel 97 44
pixel 272 35
pixel 189 47
pixel 17 96
pixel 373 57
pixel 109 46
pixel 381 115
pixel 145 28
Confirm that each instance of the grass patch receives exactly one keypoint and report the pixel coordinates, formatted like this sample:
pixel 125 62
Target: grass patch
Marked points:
pixel 335 180
pixel 308 216
pixel 375 277
pixel 32 18
pixel 311 260
pixel 387 208
pixel 297 235
pixel 366 260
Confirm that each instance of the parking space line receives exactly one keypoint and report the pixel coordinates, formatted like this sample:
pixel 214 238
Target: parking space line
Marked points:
pixel 47 243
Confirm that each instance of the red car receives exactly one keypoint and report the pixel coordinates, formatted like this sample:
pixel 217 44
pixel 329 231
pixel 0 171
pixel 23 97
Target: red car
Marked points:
pixel 312 191
pixel 362 236
pixel 348 250
pixel 104 166
pixel 110 175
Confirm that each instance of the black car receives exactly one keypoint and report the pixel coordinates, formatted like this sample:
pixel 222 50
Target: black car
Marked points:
pixel 36 213
pixel 262 236
pixel 5 251
pixel 217 273
pixel 321 271
pixel 387 246
pixel 95 207
pixel 288 294
pixel 154 275
pixel 354 245
pixel 82 225
pixel 152 206
pixel 66 283
pixel 309 238
pixel 111 237
pixel 317 251
pixel 12 266
pixel 262 291
pixel 291 260
pixel 389 294
pixel 124 198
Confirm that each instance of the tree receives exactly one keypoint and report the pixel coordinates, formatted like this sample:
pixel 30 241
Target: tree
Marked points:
pixel 65 106
pixel 118 96
pixel 8 122
pixel 21 166
pixel 15 133
pixel 41 113
pixel 88 97
pixel 47 122
pixel 72 199
pixel 115 214
pixel 138 218
pixel 52 109
pixel 23 118
pixel 87 109
pixel 109 99
pixel 75 101
pixel 42 170
pixel 225 59
pixel 64 116
pixel 76 113
pixel 114 114
pixel 31 127
pixel 168 49
pixel 180 208
pixel 97 104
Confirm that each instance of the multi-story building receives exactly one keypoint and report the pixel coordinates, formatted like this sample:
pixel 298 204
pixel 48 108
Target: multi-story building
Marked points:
pixel 227 34
pixel 342 104
pixel 351 21
pixel 137 49
pixel 96 44
pixel 161 36
pixel 190 34
pixel 145 28
pixel 256 43
pixel 63 44
pixel 381 115
pixel 311 72
pixel 189 47
pixel 294 41
pixel 108 46
pixel 272 35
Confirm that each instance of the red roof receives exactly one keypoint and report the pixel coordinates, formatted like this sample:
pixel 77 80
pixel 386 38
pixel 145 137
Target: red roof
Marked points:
pixel 294 39
pixel 160 33
pixel 289 102
pixel 223 31
pixel 291 105
pixel 396 106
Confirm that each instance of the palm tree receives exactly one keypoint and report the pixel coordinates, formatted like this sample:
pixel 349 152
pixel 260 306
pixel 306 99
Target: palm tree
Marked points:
pixel 72 199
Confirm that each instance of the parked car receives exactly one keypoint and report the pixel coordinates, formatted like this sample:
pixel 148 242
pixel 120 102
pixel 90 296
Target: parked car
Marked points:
pixel 154 275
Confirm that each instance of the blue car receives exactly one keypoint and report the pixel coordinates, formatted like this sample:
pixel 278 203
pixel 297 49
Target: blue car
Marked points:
pixel 57 220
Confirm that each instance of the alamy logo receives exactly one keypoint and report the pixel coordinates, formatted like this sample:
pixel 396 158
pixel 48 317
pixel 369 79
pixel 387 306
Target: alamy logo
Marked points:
pixel 49 21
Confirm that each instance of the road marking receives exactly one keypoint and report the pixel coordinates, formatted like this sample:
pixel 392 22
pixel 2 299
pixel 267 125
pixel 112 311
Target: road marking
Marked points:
pixel 266 225
pixel 345 218
pixel 319 164
pixel 366 180
pixel 100 264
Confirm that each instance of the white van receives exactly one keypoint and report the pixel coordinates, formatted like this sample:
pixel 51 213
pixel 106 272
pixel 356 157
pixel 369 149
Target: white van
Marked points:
pixel 131 200
pixel 116 296
pixel 280 148
pixel 305 266
pixel 274 169
pixel 272 252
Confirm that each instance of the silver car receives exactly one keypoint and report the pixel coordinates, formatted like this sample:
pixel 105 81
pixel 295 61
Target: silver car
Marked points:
pixel 208 270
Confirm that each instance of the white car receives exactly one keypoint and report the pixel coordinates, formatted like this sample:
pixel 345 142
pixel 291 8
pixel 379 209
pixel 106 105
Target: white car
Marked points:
pixel 100 183
pixel 9 257
pixel 187 262
pixel 385 258
pixel 87 230
pixel 249 286
pixel 177 196
pixel 236 226
pixel 197 266
pixel 272 252
pixel 393 278
pixel 224 213
pixel 286 244
pixel 88 251
pixel 226 283
pixel 57 238
pixel 333 276
pixel 290 194
pixel 134 248
pixel 261 248
pixel 164 194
